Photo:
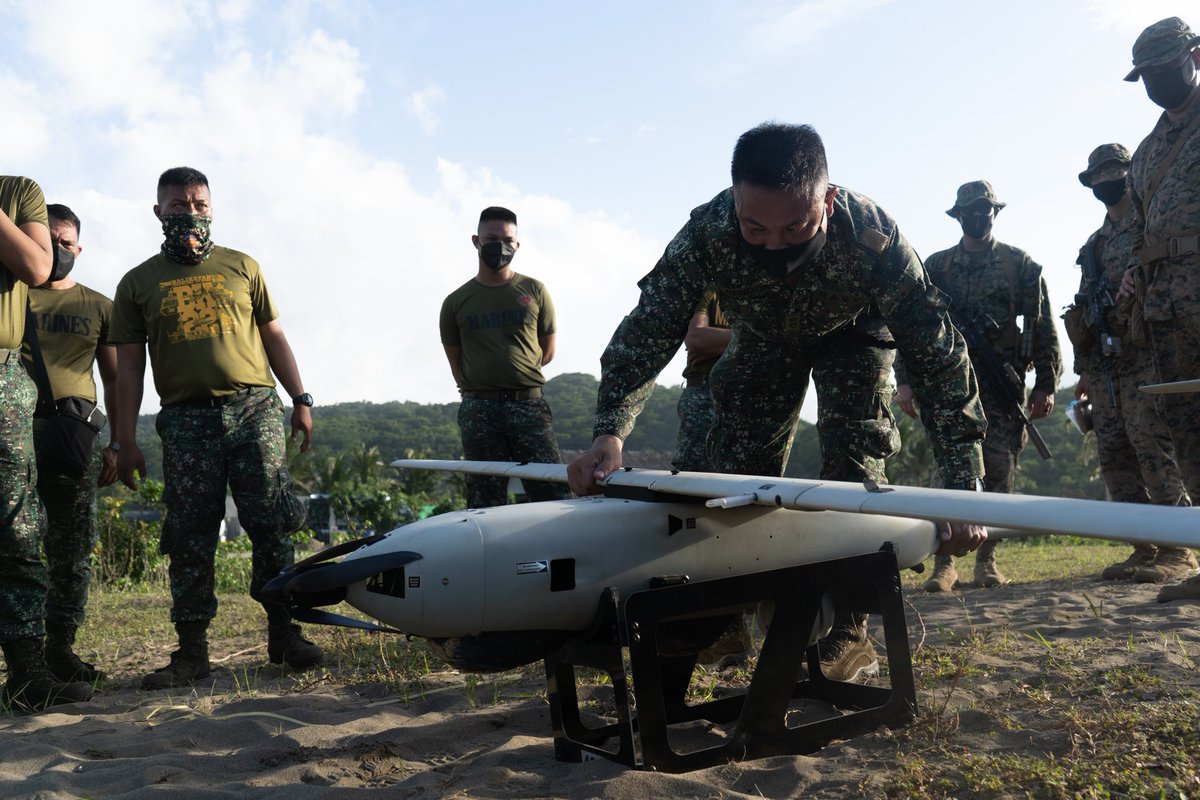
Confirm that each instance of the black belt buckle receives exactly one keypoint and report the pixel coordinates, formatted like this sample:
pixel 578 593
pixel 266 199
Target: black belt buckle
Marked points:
pixel 508 394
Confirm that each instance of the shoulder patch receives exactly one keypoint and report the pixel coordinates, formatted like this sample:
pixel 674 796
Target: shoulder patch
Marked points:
pixel 873 240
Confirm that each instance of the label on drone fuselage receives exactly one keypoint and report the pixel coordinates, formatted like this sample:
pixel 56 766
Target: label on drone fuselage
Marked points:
pixel 532 567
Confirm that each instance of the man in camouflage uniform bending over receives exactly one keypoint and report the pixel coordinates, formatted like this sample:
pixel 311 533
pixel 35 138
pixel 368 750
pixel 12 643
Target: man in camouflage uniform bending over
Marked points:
pixel 214 338
pixel 1165 242
pixel 795 262
pixel 992 284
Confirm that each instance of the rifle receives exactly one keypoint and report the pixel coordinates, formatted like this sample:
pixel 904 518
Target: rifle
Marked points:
pixel 998 374
pixel 1097 299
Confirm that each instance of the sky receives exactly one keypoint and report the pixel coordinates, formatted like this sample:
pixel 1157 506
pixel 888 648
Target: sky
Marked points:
pixel 350 145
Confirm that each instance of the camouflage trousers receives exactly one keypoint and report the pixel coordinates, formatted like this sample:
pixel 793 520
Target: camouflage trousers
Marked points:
pixel 696 417
pixel 70 536
pixel 22 573
pixel 1177 355
pixel 1002 446
pixel 759 386
pixel 240 445
pixel 508 430
pixel 1137 459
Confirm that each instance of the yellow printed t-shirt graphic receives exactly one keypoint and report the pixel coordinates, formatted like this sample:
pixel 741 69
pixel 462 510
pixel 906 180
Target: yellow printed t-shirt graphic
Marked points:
pixel 201 303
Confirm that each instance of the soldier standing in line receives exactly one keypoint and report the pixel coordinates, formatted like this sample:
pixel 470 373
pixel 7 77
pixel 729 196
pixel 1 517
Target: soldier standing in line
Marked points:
pixel 991 285
pixel 796 263
pixel 1137 459
pixel 215 339
pixel 1165 246
pixel 72 332
pixel 26 260
pixel 498 331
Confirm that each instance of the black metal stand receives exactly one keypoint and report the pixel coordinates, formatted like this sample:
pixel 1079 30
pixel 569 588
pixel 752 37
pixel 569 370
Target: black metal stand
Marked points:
pixel 761 713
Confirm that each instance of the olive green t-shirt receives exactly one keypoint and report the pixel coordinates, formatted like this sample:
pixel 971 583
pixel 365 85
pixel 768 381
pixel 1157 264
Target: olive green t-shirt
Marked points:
pixel 71 324
pixel 22 200
pixel 498 328
pixel 699 367
pixel 201 322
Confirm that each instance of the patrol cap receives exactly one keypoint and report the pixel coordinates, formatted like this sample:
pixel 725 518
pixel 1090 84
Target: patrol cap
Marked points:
pixel 1102 155
pixel 975 190
pixel 1160 44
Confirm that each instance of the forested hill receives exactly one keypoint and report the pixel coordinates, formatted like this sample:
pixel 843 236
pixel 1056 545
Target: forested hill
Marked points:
pixel 401 429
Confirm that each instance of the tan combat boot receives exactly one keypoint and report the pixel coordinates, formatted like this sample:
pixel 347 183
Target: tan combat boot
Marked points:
pixel 1170 564
pixel 1187 590
pixel 987 574
pixel 1142 556
pixel 944 575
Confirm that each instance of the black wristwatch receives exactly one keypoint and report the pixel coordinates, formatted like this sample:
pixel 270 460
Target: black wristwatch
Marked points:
pixel 303 400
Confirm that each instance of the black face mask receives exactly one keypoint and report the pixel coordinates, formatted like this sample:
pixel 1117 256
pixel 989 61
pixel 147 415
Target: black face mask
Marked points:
pixel 1169 88
pixel 975 225
pixel 1109 192
pixel 64 262
pixel 497 255
pixel 780 263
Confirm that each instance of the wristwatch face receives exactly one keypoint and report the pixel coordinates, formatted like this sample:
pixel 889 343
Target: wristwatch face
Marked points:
pixel 305 399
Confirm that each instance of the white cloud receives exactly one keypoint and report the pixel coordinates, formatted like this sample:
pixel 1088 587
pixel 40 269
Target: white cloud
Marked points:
pixel 424 104
pixel 1134 17
pixel 785 29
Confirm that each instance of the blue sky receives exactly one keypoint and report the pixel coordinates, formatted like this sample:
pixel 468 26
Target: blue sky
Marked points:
pixel 350 145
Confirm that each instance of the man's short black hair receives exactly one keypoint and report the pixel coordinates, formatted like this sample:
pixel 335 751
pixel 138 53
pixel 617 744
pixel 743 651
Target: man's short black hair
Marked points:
pixel 775 155
pixel 182 177
pixel 59 211
pixel 497 213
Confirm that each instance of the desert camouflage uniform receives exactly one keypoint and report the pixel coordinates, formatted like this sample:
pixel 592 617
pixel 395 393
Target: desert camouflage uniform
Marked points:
pixel 508 430
pixel 984 284
pixel 71 535
pixel 1137 459
pixel 239 444
pixel 22 572
pixel 783 328
pixel 1172 296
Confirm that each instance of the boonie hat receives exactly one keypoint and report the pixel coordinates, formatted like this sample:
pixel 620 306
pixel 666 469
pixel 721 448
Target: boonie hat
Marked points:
pixel 1160 44
pixel 1102 155
pixel 975 190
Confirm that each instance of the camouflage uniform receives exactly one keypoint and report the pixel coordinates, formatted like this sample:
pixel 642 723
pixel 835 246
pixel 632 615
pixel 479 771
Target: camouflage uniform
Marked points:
pixel 239 444
pixel 508 430
pixel 987 286
pixel 1165 248
pixel 71 535
pixel 1166 219
pixel 695 406
pixel 784 328
pixel 1137 459
pixel 22 573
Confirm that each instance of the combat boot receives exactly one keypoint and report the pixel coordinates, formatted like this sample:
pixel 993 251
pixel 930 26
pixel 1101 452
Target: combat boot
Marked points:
pixel 847 654
pixel 1169 564
pixel 61 659
pixel 188 664
pixel 30 685
pixel 284 642
pixel 1186 590
pixel 944 575
pixel 732 648
pixel 1142 556
pixel 987 574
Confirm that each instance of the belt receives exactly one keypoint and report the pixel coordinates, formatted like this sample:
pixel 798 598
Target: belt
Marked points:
pixel 218 401
pixel 10 356
pixel 1175 246
pixel 505 394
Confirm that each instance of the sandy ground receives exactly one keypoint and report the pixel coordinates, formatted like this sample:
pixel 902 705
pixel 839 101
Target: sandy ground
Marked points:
pixel 277 737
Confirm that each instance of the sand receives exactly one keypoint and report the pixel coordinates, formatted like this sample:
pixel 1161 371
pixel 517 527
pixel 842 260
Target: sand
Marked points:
pixel 264 734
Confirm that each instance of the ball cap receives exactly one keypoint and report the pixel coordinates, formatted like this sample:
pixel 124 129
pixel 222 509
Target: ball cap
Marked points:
pixel 971 192
pixel 1104 154
pixel 1160 44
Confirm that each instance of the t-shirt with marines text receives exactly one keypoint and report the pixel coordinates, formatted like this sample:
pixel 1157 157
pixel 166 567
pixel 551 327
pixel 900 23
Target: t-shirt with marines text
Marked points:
pixel 201 322
pixel 71 324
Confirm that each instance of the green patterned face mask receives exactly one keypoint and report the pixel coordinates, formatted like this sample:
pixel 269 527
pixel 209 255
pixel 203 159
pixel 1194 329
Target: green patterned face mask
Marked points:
pixel 186 237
